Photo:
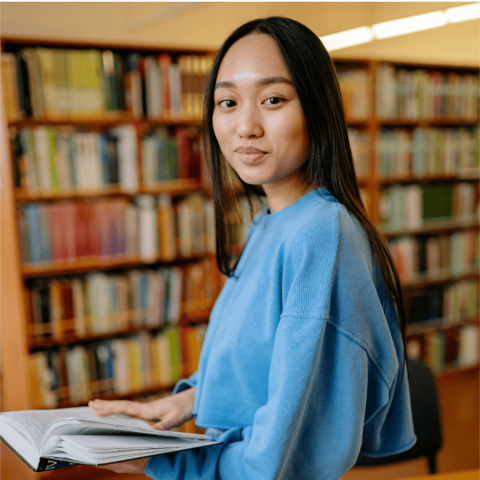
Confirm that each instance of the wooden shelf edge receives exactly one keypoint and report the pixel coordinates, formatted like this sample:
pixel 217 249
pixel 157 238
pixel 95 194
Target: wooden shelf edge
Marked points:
pixel 425 280
pixel 429 178
pixel 428 122
pixel 82 265
pixel 172 187
pixel 151 390
pixel 431 326
pixel 71 339
pixel 106 120
pixel 436 227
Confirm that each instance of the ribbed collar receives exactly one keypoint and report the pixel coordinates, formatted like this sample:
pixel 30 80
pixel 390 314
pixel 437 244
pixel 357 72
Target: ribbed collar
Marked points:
pixel 272 219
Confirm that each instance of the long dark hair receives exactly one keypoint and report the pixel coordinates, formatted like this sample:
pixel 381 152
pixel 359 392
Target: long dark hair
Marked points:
pixel 330 162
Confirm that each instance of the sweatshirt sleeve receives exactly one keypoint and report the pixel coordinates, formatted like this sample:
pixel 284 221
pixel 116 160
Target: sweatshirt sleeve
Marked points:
pixel 311 426
pixel 185 384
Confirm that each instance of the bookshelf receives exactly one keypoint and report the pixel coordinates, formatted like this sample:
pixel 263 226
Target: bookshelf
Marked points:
pixel 115 275
pixel 427 181
pixel 415 139
pixel 414 136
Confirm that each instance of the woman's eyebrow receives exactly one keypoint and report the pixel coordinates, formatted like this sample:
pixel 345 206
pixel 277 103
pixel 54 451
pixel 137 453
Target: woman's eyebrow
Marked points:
pixel 262 82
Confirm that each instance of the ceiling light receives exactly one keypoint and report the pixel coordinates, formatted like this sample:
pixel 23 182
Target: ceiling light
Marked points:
pixel 409 24
pixel 461 14
pixel 348 38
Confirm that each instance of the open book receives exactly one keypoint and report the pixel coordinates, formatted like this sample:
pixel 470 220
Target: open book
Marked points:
pixel 49 439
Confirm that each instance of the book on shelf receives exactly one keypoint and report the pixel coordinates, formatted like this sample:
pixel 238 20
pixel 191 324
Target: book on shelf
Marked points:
pixel 153 228
pixel 428 152
pixel 58 83
pixel 10 88
pixel 100 302
pixel 460 301
pixel 446 348
pixel 436 256
pixel 414 206
pixel 50 439
pixel 62 160
pixel 468 346
pixel 360 144
pixel 413 93
pixel 194 337
pixel 448 304
pixel 354 85
pixel 119 366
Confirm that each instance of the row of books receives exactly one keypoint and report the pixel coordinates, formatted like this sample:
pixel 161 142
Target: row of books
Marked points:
pixel 153 228
pixel 60 159
pixel 118 366
pixel 354 85
pixel 426 94
pixel 428 151
pixel 169 157
pixel 70 308
pixel 448 304
pixel 447 254
pixel 460 301
pixel 413 206
pixel 57 83
pixel 442 349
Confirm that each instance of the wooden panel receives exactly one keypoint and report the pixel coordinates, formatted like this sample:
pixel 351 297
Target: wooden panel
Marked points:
pixel 13 334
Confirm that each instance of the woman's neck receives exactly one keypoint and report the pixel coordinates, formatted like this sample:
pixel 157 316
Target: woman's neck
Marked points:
pixel 283 194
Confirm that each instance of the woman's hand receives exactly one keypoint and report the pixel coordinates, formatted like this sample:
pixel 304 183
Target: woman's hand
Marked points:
pixel 168 412
pixel 132 466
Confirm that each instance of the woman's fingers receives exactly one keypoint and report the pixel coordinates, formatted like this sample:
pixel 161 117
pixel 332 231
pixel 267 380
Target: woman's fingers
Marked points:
pixel 111 407
pixel 168 412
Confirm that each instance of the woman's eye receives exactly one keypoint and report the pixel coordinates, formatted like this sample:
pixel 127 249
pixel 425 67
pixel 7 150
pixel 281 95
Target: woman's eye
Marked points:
pixel 226 103
pixel 273 101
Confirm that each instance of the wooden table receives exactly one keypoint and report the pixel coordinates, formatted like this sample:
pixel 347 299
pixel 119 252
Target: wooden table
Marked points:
pixel 470 475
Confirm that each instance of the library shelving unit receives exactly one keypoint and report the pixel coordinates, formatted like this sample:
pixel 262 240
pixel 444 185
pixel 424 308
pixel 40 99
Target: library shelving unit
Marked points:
pixel 427 182
pixel 414 134
pixel 107 237
pixel 97 129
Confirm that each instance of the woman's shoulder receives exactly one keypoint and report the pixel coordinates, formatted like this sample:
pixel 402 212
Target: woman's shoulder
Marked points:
pixel 324 219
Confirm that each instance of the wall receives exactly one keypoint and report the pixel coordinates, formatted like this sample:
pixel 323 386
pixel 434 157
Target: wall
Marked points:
pixel 206 24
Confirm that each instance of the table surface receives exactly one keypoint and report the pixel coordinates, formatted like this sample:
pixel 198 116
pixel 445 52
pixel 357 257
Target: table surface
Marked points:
pixel 469 475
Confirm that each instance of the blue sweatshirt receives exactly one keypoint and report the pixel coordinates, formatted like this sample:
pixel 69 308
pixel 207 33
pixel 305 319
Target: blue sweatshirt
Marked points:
pixel 302 362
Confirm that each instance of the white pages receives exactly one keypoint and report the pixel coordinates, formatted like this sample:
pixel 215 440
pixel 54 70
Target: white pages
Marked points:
pixel 78 435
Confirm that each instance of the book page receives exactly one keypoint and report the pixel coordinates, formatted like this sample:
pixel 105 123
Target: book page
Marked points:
pixel 103 449
pixel 36 423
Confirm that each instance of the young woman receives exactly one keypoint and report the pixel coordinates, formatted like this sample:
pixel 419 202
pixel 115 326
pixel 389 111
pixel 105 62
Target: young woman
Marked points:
pixel 303 365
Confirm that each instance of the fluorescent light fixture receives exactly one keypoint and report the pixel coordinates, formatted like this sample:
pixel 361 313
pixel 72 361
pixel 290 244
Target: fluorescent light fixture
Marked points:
pixel 409 24
pixel 461 14
pixel 401 26
pixel 348 38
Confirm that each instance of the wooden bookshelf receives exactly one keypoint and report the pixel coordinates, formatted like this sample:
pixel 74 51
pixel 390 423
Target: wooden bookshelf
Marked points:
pixel 22 338
pixel 444 117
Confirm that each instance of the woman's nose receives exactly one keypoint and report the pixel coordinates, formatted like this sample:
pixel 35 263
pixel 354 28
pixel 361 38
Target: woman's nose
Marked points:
pixel 249 122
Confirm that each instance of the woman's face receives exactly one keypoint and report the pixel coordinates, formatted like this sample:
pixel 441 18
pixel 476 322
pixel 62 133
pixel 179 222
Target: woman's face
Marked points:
pixel 257 118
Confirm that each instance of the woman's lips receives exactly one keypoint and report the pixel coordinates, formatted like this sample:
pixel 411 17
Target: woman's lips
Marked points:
pixel 249 155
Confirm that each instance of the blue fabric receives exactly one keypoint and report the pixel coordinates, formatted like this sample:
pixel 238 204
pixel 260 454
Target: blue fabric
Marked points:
pixel 301 364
